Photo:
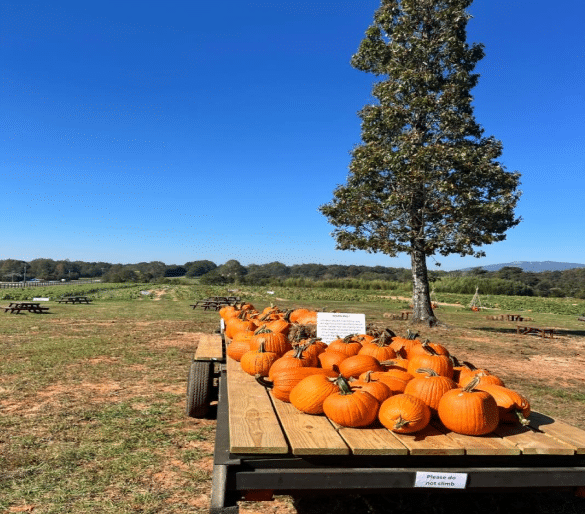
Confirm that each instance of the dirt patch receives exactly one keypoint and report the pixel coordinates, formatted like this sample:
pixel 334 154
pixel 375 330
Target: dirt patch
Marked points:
pixel 158 294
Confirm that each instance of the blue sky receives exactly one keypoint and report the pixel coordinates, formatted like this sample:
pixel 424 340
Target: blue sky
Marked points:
pixel 181 131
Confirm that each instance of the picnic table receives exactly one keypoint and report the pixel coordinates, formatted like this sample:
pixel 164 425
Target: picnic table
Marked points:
pixel 405 314
pixel 543 332
pixel 265 446
pixel 75 299
pixel 514 317
pixel 216 302
pixel 16 307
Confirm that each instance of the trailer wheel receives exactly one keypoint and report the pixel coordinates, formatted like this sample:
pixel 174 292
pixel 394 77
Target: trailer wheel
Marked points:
pixel 199 383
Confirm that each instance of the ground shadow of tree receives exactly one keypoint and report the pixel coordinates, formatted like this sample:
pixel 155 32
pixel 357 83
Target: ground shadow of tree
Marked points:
pixel 512 330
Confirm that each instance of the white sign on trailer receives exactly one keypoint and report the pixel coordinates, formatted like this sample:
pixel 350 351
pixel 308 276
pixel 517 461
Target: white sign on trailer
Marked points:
pixel 332 325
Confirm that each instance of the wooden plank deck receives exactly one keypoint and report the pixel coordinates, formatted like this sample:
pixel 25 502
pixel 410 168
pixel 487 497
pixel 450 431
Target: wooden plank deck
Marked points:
pixel 254 426
pixel 261 424
pixel 209 348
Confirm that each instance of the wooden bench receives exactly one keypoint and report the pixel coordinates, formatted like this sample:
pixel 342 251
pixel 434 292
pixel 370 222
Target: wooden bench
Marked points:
pixel 543 332
pixel 405 314
pixel 264 445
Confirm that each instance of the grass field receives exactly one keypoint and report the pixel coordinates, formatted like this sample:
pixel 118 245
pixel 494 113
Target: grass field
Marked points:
pixel 92 400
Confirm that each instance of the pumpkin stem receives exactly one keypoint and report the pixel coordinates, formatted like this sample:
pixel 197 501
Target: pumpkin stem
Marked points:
pixel 428 371
pixel 401 422
pixel 343 384
pixel 472 383
pixel 298 353
pixel 410 334
pixel 263 382
pixel 521 417
pixel 261 330
pixel 469 365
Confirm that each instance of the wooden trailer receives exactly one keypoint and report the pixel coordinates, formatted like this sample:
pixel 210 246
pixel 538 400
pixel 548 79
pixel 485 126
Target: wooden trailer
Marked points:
pixel 264 446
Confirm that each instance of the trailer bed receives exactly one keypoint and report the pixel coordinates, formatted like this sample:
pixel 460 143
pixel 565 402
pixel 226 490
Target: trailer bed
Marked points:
pixel 265 446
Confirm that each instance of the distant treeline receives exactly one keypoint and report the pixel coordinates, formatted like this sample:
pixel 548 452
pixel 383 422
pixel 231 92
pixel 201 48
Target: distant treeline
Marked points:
pixel 506 281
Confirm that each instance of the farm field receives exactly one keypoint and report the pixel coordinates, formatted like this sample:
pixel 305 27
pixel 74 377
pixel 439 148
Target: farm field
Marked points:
pixel 92 397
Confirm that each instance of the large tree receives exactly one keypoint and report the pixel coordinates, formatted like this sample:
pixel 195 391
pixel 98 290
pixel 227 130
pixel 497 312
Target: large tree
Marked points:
pixel 424 179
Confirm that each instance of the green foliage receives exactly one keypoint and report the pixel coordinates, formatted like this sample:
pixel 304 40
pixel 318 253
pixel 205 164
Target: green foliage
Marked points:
pixel 467 285
pixel 424 180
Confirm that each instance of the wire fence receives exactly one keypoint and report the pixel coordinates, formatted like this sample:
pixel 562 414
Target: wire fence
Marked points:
pixel 41 283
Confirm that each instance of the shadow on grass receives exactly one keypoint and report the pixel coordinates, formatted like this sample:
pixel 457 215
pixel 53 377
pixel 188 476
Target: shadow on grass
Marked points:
pixel 512 330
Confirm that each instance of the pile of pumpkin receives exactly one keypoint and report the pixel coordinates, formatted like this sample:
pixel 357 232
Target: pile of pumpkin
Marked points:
pixel 355 380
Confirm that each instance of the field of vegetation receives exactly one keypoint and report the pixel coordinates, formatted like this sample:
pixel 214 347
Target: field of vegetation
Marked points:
pixel 92 397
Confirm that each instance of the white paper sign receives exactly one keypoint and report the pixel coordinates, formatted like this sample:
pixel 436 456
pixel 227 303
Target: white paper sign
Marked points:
pixel 440 480
pixel 333 325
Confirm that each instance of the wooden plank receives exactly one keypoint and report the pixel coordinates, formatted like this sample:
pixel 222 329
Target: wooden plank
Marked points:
pixel 533 443
pixel 209 347
pixel 430 441
pixel 254 427
pixel 309 434
pixel 490 444
pixel 559 430
pixel 372 441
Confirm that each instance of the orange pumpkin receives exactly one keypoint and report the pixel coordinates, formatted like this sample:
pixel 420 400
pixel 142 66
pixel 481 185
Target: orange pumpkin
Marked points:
pixel 376 388
pixel 378 348
pixel 469 411
pixel 275 342
pixel 350 407
pixel 512 406
pixel 283 382
pixel 430 359
pixel 258 362
pixel 239 345
pixel 310 393
pixel 331 359
pixel 347 345
pixel 355 365
pixel 429 388
pixel 404 414
pixel 296 359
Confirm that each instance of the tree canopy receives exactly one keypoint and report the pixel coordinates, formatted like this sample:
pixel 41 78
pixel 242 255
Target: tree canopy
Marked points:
pixel 424 180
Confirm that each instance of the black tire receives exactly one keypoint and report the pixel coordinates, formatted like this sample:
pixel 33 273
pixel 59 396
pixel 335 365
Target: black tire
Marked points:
pixel 199 383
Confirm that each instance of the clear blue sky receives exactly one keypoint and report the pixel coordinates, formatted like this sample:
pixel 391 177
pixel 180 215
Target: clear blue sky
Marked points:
pixel 185 130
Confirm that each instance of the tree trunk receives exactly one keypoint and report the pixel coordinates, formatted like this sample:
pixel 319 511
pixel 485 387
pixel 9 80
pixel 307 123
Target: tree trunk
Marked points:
pixel 421 297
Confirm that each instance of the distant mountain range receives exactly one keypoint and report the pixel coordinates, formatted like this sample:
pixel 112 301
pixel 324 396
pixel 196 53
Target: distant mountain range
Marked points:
pixel 535 266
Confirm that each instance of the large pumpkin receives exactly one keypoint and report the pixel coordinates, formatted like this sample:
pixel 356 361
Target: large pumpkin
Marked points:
pixel 355 365
pixel 469 411
pixel 430 359
pixel 350 407
pixel 310 393
pixel 430 387
pixel 275 342
pixel 348 345
pixel 404 414
pixel 512 406
pixel 376 388
pixel 296 359
pixel 284 381
pixel 258 362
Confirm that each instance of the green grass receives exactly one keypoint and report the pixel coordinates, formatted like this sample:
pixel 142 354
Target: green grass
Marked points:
pixel 92 403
